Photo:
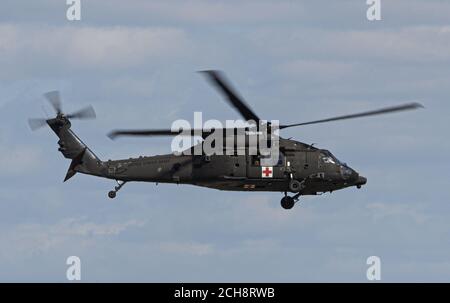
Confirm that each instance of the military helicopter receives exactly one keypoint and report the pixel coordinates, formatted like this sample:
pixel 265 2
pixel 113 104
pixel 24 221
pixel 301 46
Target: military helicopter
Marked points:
pixel 300 169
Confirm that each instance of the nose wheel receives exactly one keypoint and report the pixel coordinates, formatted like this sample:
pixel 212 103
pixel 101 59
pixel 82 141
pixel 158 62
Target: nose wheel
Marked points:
pixel 287 202
pixel 112 194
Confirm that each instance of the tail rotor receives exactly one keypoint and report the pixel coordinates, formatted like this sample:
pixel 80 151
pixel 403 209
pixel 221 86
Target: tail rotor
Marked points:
pixel 54 98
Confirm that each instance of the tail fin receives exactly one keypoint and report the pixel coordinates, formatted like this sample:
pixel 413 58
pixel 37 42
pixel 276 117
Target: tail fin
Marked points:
pixel 83 159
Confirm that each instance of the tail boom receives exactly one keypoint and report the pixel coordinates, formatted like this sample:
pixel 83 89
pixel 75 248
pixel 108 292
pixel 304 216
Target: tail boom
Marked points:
pixel 83 159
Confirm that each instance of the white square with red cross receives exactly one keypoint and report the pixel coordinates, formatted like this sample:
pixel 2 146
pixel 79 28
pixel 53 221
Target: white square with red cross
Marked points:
pixel 267 171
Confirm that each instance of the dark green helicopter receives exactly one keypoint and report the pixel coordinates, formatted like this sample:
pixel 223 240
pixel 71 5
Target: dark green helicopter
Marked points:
pixel 301 169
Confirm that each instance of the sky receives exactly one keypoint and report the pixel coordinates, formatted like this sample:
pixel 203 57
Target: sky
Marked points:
pixel 136 62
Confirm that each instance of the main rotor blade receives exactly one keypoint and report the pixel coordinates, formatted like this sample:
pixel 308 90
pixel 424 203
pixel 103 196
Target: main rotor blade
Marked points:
pixel 84 113
pixel 218 80
pixel 55 100
pixel 408 106
pixel 147 132
pixel 167 132
pixel 36 123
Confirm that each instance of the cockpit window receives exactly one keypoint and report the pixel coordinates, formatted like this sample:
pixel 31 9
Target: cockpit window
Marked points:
pixel 327 157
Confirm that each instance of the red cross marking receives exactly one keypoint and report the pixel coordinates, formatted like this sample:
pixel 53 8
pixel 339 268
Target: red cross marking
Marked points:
pixel 267 171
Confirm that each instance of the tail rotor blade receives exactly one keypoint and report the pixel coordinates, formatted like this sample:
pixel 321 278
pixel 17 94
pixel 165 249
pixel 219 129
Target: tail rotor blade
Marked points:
pixel 55 100
pixel 36 123
pixel 85 113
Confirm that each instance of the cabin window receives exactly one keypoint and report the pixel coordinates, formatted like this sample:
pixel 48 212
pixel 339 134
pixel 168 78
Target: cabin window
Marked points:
pixel 270 160
pixel 260 160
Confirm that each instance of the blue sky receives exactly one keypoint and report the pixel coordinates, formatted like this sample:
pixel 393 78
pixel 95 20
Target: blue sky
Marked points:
pixel 135 62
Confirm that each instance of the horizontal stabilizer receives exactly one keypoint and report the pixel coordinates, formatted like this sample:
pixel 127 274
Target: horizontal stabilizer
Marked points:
pixel 75 161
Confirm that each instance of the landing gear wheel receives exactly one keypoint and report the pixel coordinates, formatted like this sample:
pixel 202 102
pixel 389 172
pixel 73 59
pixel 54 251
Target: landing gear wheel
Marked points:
pixel 112 194
pixel 295 186
pixel 287 202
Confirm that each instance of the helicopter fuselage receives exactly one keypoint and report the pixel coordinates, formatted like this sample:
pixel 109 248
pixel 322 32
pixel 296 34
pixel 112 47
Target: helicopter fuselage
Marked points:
pixel 317 170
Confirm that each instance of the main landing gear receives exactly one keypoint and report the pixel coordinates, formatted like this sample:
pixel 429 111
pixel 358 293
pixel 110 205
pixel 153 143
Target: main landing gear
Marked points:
pixel 295 186
pixel 287 202
pixel 112 193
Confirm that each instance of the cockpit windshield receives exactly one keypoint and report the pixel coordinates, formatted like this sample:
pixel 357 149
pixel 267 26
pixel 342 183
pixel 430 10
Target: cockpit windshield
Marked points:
pixel 328 157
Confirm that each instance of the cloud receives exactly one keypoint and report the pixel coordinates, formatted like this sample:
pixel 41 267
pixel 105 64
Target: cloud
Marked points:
pixel 218 12
pixel 31 239
pixel 199 249
pixel 411 212
pixel 322 70
pixel 414 43
pixel 88 47
pixel 121 46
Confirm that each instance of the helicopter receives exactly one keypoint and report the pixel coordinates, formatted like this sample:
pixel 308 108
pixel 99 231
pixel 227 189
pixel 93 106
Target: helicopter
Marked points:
pixel 299 168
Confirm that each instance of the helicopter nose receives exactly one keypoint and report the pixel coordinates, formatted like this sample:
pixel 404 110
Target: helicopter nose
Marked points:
pixel 361 181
